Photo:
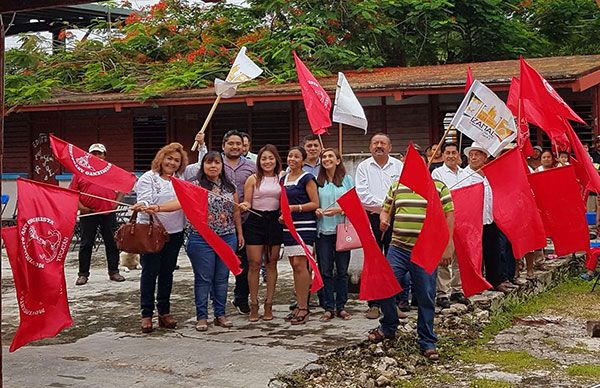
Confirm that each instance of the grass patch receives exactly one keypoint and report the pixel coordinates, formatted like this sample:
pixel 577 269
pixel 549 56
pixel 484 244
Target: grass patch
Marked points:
pixel 509 361
pixel 414 382
pixel 590 371
pixel 488 383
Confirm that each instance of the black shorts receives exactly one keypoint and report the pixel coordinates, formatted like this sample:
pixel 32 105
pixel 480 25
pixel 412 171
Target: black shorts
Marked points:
pixel 265 230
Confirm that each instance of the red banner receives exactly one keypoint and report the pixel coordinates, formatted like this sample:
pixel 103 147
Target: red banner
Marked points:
pixel 46 216
pixel 316 100
pixel 377 280
pixel 90 167
pixel 194 202
pixel 586 172
pixel 514 207
pixel 469 81
pixel 515 105
pixel 468 236
pixel 434 236
pixel 564 214
pixel 317 281
pixel 542 95
pixel 591 259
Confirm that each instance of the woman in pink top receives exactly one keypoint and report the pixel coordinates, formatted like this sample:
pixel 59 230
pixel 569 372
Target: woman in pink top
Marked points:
pixel 263 234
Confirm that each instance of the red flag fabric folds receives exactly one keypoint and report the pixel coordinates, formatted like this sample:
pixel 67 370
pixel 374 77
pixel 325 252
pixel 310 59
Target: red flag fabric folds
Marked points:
pixel 591 259
pixel 469 81
pixel 586 172
pixel 434 236
pixel 90 167
pixel 37 319
pixel 316 100
pixel 194 203
pixel 377 280
pixel 317 281
pixel 537 90
pixel 563 213
pixel 515 105
pixel 468 234
pixel 46 216
pixel 514 207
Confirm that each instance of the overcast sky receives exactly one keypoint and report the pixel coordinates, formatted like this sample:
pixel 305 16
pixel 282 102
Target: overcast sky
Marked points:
pixel 12 42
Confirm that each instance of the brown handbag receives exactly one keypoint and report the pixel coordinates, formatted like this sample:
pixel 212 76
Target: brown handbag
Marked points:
pixel 141 238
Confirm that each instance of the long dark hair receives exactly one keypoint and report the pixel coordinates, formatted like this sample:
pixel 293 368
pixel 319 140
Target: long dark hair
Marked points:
pixel 203 180
pixel 259 170
pixel 338 174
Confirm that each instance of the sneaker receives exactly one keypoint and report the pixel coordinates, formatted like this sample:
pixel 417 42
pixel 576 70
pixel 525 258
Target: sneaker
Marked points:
pixel 443 302
pixel 116 277
pixel 81 280
pixel 583 276
pixel 404 306
pixel 372 313
pixel 243 309
pixel 459 297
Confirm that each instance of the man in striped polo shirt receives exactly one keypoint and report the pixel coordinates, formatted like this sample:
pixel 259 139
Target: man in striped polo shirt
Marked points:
pixel 409 211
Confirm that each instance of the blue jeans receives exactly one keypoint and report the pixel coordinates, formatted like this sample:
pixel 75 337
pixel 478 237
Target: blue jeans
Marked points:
pixel 334 293
pixel 210 274
pixel 423 285
pixel 157 269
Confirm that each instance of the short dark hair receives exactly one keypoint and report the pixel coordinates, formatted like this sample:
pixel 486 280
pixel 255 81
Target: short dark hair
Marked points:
pixel 564 153
pixel 299 149
pixel 245 135
pixel 446 145
pixel 310 137
pixel 232 132
pixel 380 134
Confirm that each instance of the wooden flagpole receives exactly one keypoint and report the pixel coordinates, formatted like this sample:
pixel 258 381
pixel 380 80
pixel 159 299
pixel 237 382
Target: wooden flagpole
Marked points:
pixel 340 145
pixel 210 114
pixel 438 146
pixel 321 141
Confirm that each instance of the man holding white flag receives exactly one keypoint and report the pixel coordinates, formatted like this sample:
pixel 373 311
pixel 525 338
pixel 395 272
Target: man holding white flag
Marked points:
pixel 485 118
pixel 347 108
pixel 243 70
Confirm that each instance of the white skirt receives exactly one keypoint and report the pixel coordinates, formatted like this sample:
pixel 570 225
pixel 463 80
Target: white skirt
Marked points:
pixel 295 250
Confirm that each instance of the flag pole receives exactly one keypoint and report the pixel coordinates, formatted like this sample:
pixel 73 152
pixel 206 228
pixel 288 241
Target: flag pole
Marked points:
pixel 105 199
pixel 340 145
pixel 321 141
pixel 210 114
pixel 438 146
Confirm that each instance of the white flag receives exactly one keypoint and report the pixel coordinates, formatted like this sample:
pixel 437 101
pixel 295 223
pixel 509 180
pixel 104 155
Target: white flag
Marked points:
pixel 347 109
pixel 243 70
pixel 485 118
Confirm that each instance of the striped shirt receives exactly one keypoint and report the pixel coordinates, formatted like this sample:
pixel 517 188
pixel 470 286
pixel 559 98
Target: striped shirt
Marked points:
pixel 409 212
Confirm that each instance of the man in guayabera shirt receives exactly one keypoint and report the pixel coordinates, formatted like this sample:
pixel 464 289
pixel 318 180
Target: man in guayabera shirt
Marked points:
pixel 237 169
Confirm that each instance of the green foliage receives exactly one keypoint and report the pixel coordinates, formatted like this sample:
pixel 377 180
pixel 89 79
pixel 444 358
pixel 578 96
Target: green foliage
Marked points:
pixel 177 45
pixel 589 371
pixel 509 361
pixel 489 383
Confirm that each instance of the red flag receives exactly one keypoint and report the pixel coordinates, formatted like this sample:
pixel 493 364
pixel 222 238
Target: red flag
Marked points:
pixel 537 90
pixel 591 259
pixel 469 79
pixel 90 167
pixel 317 281
pixel 377 280
pixel 515 104
pixel 468 234
pixel 46 216
pixel 316 100
pixel 586 172
pixel 194 203
pixel 563 214
pixel 514 207
pixel 434 236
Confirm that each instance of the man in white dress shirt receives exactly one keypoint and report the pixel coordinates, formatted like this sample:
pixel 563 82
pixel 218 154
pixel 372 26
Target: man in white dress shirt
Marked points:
pixel 448 275
pixel 374 177
pixel 478 157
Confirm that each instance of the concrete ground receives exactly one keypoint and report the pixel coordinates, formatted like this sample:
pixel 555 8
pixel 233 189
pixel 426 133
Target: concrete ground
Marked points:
pixel 105 347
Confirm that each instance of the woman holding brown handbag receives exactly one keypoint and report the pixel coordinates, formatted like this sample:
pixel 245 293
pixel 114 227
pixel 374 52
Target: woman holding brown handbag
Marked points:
pixel 154 188
pixel 332 183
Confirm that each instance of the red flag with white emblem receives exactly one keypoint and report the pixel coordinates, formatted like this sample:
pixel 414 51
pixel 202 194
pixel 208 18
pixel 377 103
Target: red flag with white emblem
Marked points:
pixel 316 100
pixel 90 167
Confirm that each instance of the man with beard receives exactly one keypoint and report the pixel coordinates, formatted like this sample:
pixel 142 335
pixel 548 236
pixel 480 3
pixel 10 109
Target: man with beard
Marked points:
pixel 448 276
pixel 237 169
pixel 374 177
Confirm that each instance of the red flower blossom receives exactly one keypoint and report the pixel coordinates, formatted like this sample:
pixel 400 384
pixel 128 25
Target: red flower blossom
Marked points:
pixel 132 18
pixel 330 39
pixel 172 28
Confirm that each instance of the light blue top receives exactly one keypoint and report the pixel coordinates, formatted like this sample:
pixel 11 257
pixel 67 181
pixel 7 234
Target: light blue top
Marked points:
pixel 328 194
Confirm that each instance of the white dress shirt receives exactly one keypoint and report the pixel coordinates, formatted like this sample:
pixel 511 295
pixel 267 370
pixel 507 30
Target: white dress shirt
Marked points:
pixel 468 177
pixel 374 181
pixel 446 175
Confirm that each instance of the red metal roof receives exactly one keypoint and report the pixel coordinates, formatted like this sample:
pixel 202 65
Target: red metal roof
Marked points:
pixel 575 72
